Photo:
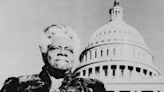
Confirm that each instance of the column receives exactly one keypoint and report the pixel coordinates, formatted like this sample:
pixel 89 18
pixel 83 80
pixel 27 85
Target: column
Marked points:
pixel 101 72
pixel 142 75
pixel 86 73
pixel 118 71
pixel 93 73
pixel 97 72
pixel 127 73
pixel 93 54
pixel 88 55
pixel 110 71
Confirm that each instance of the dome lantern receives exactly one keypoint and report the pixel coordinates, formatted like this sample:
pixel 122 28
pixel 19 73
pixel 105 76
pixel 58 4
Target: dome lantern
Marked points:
pixel 116 13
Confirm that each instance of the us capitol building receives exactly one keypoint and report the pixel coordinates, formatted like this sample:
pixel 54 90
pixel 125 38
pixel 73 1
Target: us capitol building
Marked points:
pixel 118 56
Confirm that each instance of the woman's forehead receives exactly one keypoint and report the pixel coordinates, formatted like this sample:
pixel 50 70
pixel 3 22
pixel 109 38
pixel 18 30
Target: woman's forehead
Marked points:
pixel 61 41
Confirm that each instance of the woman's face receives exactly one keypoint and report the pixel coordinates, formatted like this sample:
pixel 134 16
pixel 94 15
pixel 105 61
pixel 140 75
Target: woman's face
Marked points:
pixel 60 54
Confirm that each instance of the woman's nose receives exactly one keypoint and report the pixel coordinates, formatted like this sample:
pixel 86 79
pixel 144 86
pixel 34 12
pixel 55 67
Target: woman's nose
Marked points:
pixel 62 50
pixel 62 54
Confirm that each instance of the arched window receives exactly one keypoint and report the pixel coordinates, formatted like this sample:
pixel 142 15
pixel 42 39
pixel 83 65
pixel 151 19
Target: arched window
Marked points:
pixel 90 54
pixel 96 53
pixel 107 52
pixel 101 53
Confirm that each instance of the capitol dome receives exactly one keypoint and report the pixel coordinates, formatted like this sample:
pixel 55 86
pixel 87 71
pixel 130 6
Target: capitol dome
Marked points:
pixel 116 32
pixel 120 35
pixel 117 41
pixel 117 54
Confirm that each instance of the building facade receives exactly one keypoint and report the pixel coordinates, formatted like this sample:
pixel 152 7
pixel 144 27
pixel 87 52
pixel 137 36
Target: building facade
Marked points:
pixel 117 55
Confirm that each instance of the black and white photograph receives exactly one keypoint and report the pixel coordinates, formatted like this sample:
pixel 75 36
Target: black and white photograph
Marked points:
pixel 81 45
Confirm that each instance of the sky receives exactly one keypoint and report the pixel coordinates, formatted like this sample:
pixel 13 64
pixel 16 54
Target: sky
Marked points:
pixel 22 22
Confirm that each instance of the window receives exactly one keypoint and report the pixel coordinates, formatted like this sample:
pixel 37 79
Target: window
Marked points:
pixel 130 68
pixel 145 71
pixel 90 54
pixel 95 53
pixel 78 74
pixel 138 69
pixel 101 53
pixel 150 73
pixel 105 68
pixel 113 67
pixel 84 72
pixel 122 67
pixel 107 52
pixel 97 69
pixel 90 71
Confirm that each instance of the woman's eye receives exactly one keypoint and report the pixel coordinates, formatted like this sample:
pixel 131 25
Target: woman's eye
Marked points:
pixel 70 50
pixel 54 48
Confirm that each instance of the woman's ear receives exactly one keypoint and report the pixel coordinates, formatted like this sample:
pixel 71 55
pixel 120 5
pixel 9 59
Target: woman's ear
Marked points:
pixel 44 57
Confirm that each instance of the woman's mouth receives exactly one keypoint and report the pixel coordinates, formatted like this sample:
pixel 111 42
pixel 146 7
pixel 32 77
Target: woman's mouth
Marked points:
pixel 58 60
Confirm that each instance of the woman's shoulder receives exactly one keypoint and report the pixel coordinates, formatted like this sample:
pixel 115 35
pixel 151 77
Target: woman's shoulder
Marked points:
pixel 27 78
pixel 95 84
pixel 14 84
pixel 73 81
pixel 22 79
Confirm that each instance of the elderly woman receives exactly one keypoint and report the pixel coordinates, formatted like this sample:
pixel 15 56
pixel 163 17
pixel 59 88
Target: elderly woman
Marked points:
pixel 58 47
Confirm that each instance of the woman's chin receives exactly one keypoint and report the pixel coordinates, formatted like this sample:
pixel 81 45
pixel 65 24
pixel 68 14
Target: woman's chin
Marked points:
pixel 62 62
pixel 63 65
